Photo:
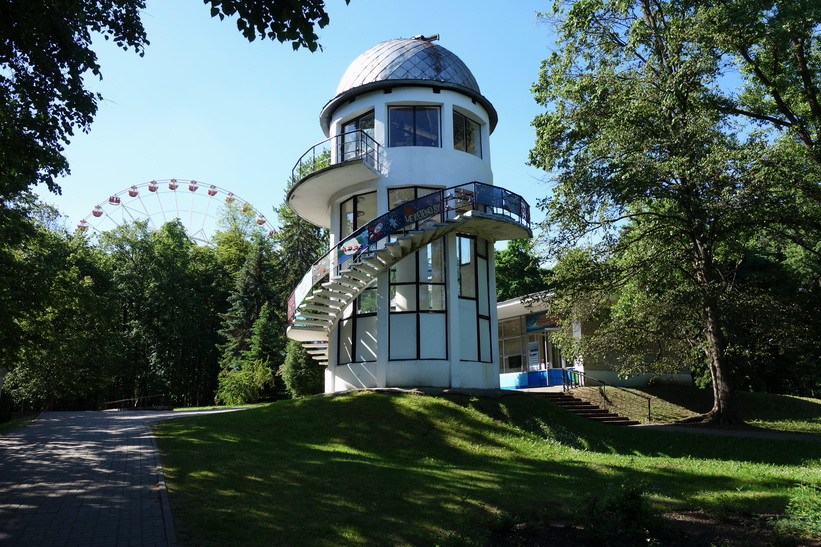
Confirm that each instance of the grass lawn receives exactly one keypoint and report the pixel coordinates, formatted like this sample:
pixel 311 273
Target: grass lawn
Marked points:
pixel 405 469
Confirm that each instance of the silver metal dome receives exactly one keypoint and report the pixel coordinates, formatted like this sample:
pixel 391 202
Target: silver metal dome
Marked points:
pixel 408 62
pixel 407 59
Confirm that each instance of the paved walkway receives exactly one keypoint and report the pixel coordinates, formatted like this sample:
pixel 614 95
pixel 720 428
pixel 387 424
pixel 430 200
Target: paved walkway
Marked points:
pixel 85 479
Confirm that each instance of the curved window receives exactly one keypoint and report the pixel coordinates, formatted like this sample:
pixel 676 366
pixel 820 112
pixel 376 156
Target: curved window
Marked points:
pixel 354 131
pixel 467 135
pixel 413 126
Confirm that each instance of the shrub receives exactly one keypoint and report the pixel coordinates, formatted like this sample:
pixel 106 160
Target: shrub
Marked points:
pixel 243 383
pixel 618 515
pixel 302 375
pixel 802 517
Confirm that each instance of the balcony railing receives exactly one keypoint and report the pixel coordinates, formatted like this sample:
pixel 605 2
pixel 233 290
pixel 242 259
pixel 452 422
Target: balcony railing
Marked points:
pixel 353 145
pixel 437 206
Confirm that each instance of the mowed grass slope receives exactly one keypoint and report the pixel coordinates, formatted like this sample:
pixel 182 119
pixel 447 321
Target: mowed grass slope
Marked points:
pixel 386 468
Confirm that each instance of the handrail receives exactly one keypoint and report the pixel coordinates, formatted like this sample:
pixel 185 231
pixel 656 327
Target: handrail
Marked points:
pixel 446 204
pixel 351 145
pixel 570 379
pixel 134 400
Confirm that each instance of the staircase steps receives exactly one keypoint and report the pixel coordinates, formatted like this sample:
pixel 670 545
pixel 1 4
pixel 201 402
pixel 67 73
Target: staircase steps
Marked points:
pixel 319 312
pixel 586 410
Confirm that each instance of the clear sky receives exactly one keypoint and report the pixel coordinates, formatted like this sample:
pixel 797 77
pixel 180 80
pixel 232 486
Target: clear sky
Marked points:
pixel 205 104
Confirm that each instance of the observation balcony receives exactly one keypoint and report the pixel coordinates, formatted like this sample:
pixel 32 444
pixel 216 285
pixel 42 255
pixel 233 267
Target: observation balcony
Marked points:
pixel 331 166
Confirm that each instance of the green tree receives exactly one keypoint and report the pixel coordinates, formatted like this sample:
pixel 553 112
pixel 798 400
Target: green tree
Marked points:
pixel 300 372
pixel 46 54
pixel 246 380
pixel 64 356
pixel 251 292
pixel 518 271
pixel 667 185
pixel 170 295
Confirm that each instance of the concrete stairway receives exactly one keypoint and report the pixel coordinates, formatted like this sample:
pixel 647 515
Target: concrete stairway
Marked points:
pixel 319 313
pixel 586 410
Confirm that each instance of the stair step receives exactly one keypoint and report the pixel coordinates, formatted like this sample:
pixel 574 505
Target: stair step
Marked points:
pixel 360 276
pixel 322 317
pixel 315 299
pixel 339 287
pixel 586 409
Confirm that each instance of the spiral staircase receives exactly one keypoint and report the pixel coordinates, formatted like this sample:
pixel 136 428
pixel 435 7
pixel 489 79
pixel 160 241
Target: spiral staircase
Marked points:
pixel 318 312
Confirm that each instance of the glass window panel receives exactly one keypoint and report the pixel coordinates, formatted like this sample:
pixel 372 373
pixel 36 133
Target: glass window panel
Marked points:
pixel 514 362
pixel 366 301
pixel 402 336
pixel 467 268
pixel 431 297
pixel 512 346
pixel 346 215
pixel 366 339
pixel 472 138
pixel 365 209
pixel 398 196
pixel 484 340
pixel 404 271
pixel 512 327
pixel 345 341
pixel 401 130
pixel 458 131
pixel 482 290
pixel 403 297
pixel 468 333
pixel 432 339
pixel 427 126
pixel 432 262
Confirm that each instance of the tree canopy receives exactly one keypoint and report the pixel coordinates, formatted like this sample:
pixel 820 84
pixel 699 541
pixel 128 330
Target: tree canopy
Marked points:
pixel 662 184
pixel 46 53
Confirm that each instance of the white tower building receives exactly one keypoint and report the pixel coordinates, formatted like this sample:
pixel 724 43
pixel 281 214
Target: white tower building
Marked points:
pixel 406 294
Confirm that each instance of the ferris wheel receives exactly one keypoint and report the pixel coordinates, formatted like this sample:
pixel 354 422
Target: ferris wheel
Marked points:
pixel 198 207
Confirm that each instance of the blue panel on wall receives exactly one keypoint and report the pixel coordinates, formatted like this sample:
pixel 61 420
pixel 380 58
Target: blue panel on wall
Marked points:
pixel 554 377
pixel 536 379
pixel 513 380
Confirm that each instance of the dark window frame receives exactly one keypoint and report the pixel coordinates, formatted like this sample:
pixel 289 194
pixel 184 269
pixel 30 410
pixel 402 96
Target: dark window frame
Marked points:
pixel 393 137
pixel 468 123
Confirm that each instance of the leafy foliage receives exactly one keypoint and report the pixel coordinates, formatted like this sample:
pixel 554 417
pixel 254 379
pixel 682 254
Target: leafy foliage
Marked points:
pixel 286 21
pixel 300 372
pixel 45 54
pixel 664 190
pixel 518 271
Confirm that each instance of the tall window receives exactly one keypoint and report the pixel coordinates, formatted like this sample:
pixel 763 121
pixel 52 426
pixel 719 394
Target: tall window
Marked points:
pixel 357 329
pixel 466 135
pixel 474 299
pixel 413 126
pixel 418 310
pixel 352 145
pixel 356 212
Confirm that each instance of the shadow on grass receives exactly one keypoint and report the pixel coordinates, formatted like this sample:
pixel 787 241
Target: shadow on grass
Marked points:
pixel 369 468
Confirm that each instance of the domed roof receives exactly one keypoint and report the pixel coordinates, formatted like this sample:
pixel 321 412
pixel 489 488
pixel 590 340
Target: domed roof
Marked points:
pixel 407 59
pixel 413 61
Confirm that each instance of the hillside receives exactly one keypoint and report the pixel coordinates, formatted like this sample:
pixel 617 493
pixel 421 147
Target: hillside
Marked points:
pixel 408 469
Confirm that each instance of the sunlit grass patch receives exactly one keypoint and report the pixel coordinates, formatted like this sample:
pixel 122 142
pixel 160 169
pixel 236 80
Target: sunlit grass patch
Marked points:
pixel 378 468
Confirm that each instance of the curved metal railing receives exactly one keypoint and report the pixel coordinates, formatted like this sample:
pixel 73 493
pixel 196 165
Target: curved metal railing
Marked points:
pixel 353 145
pixel 437 206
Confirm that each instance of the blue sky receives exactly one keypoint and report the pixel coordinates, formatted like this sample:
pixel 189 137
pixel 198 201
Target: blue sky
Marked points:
pixel 205 104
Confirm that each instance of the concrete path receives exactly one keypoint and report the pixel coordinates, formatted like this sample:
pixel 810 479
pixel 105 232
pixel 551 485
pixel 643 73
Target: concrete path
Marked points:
pixel 85 479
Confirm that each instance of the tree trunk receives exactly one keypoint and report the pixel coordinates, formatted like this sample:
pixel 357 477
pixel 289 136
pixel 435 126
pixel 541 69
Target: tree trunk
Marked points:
pixel 724 409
